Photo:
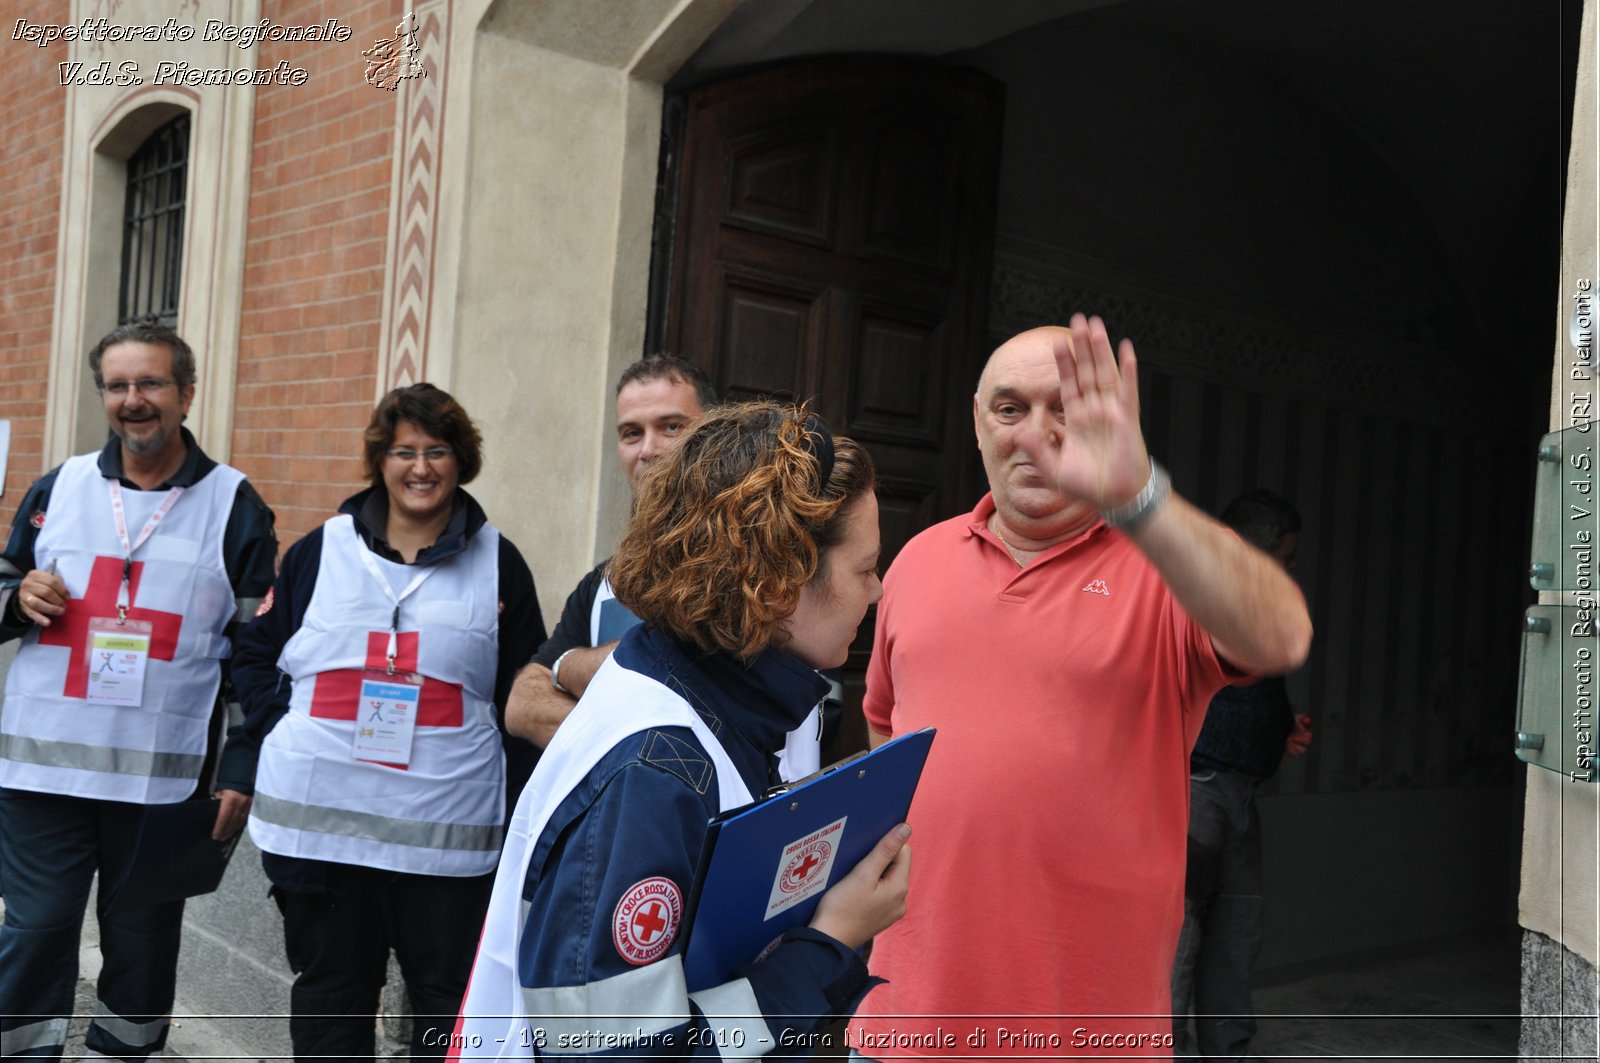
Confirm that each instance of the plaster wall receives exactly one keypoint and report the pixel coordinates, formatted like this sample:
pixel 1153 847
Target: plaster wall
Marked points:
pixel 1560 871
pixel 548 263
pixel 534 325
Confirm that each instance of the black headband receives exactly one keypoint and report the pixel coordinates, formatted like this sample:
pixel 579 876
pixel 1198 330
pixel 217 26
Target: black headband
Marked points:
pixel 819 444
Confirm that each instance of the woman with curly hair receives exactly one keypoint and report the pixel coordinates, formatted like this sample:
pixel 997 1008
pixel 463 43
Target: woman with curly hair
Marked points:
pixel 751 559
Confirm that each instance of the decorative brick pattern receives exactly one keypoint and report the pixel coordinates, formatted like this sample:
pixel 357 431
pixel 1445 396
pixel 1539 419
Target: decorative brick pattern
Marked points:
pixel 408 294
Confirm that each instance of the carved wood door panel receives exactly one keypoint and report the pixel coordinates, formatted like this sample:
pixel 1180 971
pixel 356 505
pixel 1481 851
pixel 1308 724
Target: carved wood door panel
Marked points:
pixel 828 237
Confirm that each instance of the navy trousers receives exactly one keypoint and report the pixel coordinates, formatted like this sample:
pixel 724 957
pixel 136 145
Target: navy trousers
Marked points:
pixel 50 849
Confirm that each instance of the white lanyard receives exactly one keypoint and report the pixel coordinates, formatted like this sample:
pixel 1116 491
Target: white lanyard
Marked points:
pixel 388 589
pixel 120 516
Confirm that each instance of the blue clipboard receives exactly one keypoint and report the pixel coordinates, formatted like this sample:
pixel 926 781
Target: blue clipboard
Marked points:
pixel 764 867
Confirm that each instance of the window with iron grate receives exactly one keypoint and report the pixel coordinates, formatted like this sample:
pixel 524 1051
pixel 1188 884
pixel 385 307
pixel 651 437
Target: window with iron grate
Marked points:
pixel 152 231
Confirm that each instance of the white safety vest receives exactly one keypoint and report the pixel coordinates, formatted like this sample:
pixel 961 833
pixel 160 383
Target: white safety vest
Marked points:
pixel 618 703
pixel 53 740
pixel 441 813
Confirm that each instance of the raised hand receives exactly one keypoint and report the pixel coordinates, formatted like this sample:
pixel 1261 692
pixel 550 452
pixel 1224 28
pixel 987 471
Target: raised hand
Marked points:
pixel 1102 457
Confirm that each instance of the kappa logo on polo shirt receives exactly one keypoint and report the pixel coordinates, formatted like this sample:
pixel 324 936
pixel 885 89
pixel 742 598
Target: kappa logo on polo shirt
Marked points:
pixel 645 923
pixel 1098 587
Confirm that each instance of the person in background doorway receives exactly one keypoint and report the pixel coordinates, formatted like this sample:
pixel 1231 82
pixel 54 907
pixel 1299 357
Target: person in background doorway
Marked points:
pixel 1248 730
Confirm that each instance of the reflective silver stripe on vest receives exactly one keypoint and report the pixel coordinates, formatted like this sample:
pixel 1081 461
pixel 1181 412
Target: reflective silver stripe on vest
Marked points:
pixel 467 837
pixel 738 1028
pixel 139 762
pixel 583 1018
pixel 136 1035
pixel 51 1033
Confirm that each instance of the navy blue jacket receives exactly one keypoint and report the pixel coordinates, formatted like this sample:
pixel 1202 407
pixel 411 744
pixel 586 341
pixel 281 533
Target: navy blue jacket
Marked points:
pixel 640 814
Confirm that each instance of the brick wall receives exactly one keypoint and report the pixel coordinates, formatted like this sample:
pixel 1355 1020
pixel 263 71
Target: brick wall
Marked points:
pixel 313 283
pixel 31 128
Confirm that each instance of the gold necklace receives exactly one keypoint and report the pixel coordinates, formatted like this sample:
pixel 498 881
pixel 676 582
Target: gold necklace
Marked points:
pixel 995 527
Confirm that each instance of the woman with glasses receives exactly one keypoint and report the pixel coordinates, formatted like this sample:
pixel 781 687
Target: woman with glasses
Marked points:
pixel 375 678
pixel 751 559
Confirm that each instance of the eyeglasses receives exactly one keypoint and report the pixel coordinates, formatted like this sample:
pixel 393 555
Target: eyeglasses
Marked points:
pixel 433 455
pixel 144 386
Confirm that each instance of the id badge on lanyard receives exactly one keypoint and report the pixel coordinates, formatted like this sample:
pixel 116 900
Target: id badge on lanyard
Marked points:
pixel 386 720
pixel 119 648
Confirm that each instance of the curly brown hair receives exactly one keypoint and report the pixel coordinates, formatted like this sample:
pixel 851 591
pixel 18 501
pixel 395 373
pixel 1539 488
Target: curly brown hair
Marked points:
pixel 436 413
pixel 731 523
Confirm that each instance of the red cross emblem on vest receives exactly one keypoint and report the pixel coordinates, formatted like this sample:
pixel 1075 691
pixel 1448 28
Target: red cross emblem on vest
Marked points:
pixel 71 629
pixel 337 694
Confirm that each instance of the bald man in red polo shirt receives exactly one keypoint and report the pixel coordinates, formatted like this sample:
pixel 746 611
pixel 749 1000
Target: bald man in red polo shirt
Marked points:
pixel 1065 637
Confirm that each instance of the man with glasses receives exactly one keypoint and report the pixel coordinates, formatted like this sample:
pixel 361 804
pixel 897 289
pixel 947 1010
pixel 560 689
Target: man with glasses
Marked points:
pixel 126 572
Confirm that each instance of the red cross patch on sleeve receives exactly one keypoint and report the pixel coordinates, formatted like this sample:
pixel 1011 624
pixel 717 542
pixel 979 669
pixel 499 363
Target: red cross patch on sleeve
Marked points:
pixel 645 923
pixel 37 520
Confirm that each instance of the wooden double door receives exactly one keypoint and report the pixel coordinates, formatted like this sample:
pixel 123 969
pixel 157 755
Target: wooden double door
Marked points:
pixel 826 235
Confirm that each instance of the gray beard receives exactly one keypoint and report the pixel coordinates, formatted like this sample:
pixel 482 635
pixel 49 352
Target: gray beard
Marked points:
pixel 149 445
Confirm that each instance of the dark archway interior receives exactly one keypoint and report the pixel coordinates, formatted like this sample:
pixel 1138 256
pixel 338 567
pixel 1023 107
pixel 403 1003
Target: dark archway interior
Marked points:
pixel 1333 231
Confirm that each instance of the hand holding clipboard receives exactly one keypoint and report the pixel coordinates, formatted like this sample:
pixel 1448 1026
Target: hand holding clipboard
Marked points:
pixel 872 897
pixel 827 853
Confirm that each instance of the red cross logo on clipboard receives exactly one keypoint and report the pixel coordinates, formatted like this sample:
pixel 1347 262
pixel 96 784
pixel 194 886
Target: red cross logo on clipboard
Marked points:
pixel 803 866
